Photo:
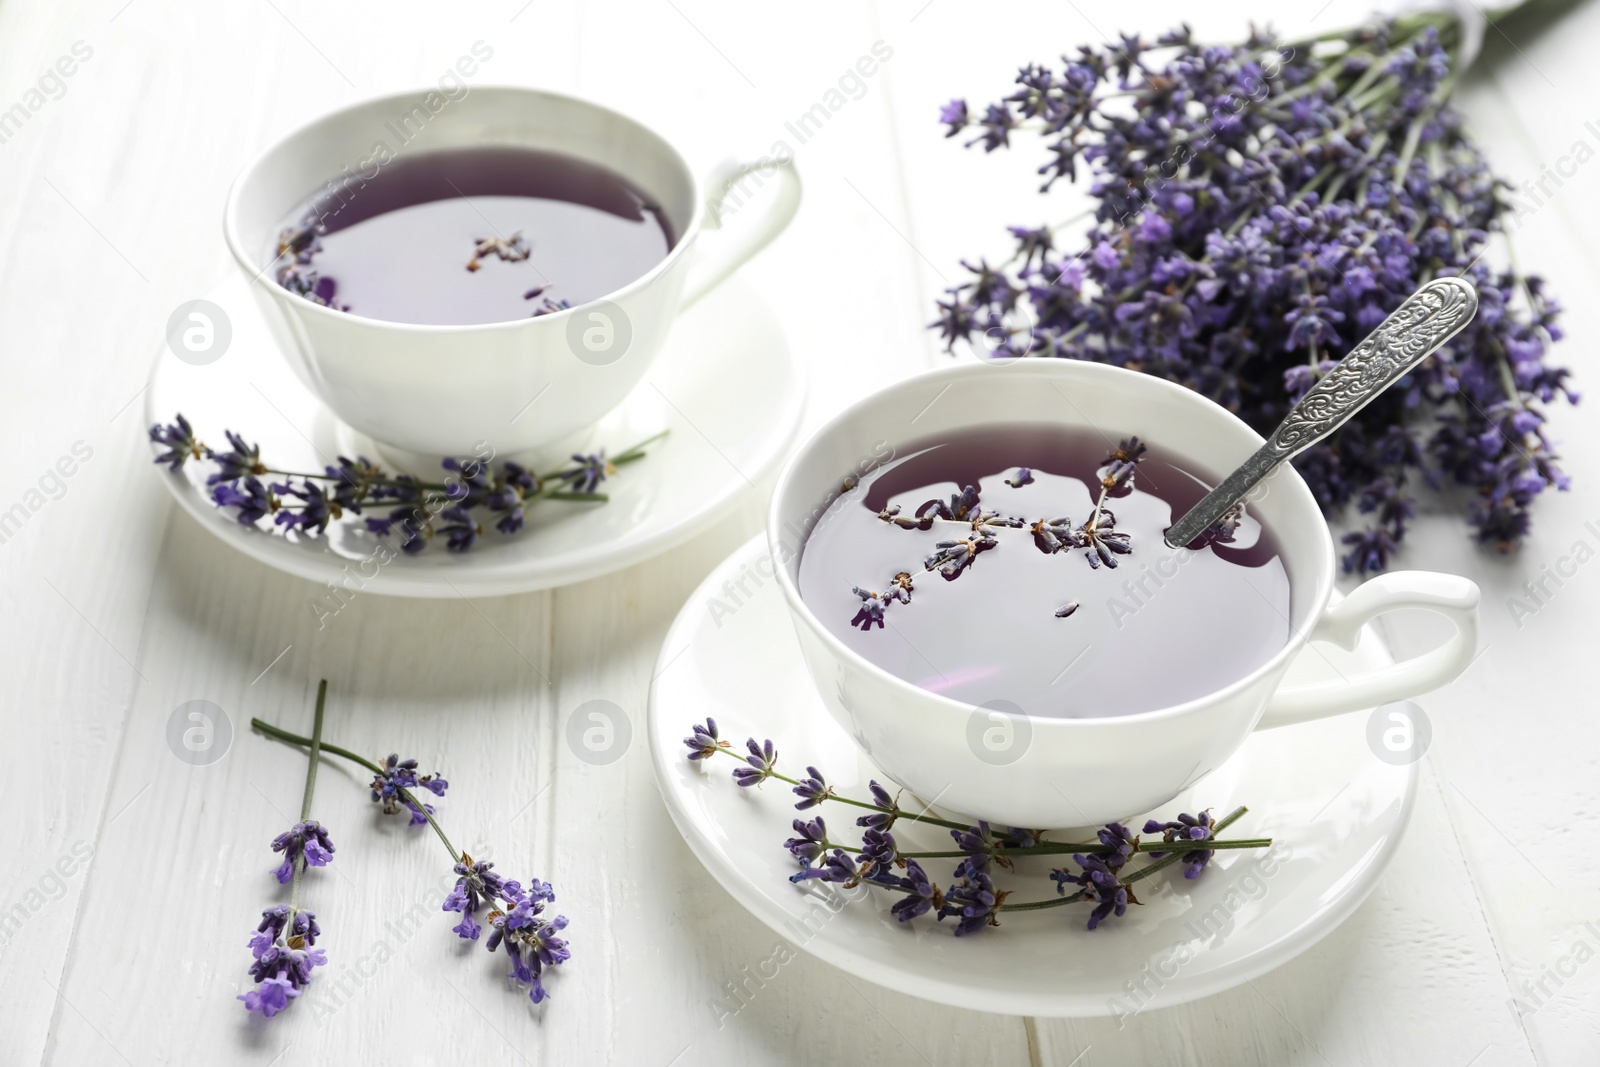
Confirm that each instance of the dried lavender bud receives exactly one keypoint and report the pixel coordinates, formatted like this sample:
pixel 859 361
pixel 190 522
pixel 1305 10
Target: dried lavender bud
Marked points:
pixel 1023 477
pixel 511 249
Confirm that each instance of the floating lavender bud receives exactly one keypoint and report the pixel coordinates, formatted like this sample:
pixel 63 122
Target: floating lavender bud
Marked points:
pixel 1023 477
pixel 511 249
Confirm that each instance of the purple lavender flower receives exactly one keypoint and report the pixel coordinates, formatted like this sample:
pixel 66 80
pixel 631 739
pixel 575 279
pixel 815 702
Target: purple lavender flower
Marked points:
pixel 1252 225
pixel 921 896
pixel 973 901
pixel 181 443
pixel 1186 829
pixel 463 530
pixel 761 760
pixel 255 501
pixel 530 940
pixel 809 842
pixel 242 460
pixel 1118 837
pixel 1121 464
pixel 1099 883
pixel 592 470
pixel 839 867
pixel 880 820
pixel 1052 535
pixel 1102 542
pixel 977 842
pixel 872 606
pixel 401 774
pixel 812 789
pixel 476 887
pixel 704 742
pixel 282 964
pixel 314 514
pixel 954 115
pixel 304 840
pixel 879 857
pixel 952 557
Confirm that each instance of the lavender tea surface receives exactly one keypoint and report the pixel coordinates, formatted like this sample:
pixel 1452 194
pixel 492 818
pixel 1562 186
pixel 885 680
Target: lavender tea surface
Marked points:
pixel 471 236
pixel 1160 627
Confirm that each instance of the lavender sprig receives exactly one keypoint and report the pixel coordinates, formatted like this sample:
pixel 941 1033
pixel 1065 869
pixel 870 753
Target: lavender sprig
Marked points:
pixel 515 914
pixel 972 899
pixel 1258 210
pixel 415 511
pixel 283 945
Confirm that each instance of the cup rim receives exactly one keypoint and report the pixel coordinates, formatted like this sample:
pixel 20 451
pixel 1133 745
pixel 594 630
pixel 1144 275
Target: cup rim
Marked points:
pixel 1320 583
pixel 256 271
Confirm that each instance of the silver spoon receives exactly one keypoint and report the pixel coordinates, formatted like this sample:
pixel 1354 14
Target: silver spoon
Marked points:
pixel 1416 329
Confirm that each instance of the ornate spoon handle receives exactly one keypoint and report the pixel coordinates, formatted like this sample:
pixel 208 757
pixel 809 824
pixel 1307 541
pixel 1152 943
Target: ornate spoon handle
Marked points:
pixel 1421 325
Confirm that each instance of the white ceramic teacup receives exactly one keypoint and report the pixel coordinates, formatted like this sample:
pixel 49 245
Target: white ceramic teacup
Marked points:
pixel 1074 772
pixel 533 384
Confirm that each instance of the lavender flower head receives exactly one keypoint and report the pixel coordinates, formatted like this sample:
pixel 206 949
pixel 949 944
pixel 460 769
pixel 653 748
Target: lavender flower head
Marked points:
pixel 284 959
pixel 812 790
pixel 762 759
pixel 810 840
pixel 304 840
pixel 972 902
pixel 530 940
pixel 401 774
pixel 476 887
pixel 704 742
pixel 1099 883
pixel 180 442
pixel 1187 829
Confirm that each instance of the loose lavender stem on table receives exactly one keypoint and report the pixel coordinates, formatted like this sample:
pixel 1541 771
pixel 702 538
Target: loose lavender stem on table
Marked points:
pixel 514 913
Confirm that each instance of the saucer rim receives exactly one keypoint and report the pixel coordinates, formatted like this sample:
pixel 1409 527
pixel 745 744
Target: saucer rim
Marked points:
pixel 475 577
pixel 1306 933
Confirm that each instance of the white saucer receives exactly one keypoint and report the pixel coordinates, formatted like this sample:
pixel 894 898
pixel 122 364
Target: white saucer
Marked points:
pixel 727 386
pixel 1335 811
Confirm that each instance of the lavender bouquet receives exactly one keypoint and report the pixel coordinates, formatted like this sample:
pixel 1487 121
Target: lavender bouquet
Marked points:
pixel 1258 209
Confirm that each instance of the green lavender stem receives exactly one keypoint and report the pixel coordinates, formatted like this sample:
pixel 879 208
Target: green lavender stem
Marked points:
pixel 1047 848
pixel 305 800
pixel 637 452
pixel 344 753
pixel 1067 848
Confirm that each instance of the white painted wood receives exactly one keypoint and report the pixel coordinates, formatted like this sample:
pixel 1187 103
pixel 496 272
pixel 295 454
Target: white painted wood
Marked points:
pixel 114 610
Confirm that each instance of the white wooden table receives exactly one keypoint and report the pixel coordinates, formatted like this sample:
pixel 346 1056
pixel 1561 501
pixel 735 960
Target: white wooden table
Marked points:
pixel 116 608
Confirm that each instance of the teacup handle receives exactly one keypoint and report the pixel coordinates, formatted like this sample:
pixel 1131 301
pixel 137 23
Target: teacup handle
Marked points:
pixel 1450 595
pixel 727 192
